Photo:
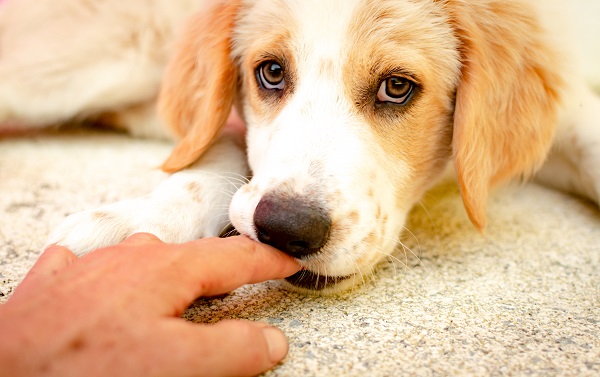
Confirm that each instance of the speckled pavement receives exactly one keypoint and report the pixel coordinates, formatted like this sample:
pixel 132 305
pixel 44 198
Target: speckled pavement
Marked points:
pixel 521 299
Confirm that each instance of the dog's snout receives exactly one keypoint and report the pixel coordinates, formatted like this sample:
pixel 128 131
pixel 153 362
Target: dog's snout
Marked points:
pixel 291 224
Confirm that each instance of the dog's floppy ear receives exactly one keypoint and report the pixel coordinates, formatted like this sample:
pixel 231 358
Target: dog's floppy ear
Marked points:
pixel 199 84
pixel 506 102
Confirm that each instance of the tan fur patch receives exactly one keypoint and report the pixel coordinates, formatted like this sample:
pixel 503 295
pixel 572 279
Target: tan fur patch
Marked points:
pixel 102 216
pixel 414 41
pixel 195 189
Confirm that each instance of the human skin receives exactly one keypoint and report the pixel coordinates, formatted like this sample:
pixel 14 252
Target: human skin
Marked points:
pixel 115 311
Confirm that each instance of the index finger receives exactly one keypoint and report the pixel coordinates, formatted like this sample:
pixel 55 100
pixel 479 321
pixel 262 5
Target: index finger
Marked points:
pixel 219 265
pixel 179 274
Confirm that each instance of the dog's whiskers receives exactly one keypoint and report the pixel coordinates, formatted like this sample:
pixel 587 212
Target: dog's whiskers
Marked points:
pixel 416 240
pixel 394 259
pixel 234 179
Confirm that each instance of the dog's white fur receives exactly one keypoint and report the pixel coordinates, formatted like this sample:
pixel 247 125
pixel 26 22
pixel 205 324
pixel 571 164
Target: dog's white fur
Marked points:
pixel 500 90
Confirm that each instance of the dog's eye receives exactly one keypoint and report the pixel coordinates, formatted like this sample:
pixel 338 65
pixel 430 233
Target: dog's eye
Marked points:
pixel 271 75
pixel 396 90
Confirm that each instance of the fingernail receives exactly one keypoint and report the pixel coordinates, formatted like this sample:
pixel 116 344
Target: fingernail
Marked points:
pixel 276 342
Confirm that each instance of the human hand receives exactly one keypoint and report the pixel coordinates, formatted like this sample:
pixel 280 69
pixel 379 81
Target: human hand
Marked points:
pixel 114 312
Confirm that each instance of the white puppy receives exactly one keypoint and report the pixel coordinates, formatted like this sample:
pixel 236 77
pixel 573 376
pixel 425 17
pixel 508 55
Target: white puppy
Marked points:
pixel 354 108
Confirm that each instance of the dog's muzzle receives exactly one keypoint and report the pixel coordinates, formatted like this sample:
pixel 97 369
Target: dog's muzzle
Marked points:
pixel 299 227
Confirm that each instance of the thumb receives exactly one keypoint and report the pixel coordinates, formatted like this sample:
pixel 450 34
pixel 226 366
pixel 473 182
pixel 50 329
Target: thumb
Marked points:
pixel 228 348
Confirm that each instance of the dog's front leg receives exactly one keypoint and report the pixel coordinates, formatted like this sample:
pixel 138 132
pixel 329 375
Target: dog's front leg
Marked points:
pixel 190 204
pixel 574 162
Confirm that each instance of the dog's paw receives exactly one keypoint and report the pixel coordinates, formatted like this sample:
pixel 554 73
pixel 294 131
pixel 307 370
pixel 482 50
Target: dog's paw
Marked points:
pixel 172 221
pixel 85 231
pixel 190 204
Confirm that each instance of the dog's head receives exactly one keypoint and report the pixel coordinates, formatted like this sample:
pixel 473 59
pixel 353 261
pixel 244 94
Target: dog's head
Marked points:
pixel 353 109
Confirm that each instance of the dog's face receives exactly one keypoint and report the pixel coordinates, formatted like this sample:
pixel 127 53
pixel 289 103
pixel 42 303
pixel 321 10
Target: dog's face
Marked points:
pixel 347 121
pixel 351 108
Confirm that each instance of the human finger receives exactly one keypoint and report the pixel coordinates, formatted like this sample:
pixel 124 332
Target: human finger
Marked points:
pixel 215 266
pixel 155 278
pixel 228 348
pixel 139 239
pixel 53 260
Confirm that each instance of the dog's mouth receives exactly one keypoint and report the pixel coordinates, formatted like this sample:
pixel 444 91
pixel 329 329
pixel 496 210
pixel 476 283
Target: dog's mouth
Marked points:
pixel 303 279
pixel 229 231
pixel 315 282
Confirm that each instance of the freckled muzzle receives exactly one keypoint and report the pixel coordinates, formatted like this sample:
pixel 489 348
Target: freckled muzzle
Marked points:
pixel 298 226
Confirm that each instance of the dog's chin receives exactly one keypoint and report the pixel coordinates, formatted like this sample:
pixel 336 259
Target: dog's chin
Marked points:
pixel 311 282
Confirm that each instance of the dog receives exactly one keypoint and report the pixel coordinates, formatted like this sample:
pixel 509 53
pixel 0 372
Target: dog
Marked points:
pixel 353 110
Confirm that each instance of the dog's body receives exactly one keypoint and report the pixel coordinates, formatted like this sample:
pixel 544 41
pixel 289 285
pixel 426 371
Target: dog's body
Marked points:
pixel 353 109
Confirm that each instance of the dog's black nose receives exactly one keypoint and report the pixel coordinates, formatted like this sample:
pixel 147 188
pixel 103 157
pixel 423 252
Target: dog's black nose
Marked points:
pixel 291 224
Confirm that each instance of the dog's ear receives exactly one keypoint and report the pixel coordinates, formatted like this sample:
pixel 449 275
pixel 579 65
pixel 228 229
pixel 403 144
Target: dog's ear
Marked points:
pixel 506 102
pixel 199 84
